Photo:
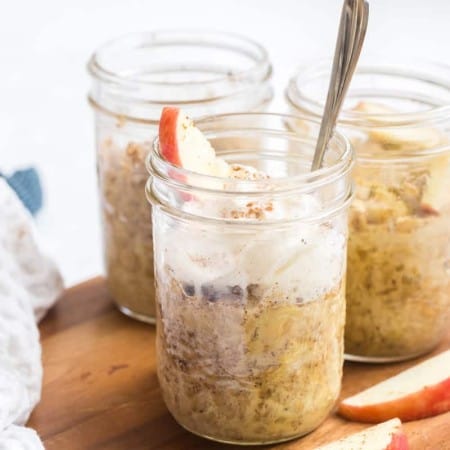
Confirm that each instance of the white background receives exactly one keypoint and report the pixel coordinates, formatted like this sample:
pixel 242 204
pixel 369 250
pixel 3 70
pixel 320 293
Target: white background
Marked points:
pixel 44 116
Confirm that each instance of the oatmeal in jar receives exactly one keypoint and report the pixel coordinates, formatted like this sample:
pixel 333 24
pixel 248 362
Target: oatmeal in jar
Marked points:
pixel 398 285
pixel 127 236
pixel 132 77
pixel 397 117
pixel 250 281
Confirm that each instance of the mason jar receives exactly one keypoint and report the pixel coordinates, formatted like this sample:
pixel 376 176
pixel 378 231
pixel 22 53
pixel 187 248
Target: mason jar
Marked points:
pixel 250 280
pixel 133 77
pixel 397 117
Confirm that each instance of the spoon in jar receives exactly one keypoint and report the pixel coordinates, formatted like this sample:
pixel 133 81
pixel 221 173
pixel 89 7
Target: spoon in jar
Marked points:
pixel 352 31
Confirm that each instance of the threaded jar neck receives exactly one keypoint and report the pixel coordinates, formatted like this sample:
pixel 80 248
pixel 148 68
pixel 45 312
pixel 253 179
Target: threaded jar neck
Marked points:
pixel 268 143
pixel 134 76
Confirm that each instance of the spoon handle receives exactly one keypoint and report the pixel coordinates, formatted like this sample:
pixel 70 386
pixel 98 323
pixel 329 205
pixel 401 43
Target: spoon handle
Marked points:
pixel 352 31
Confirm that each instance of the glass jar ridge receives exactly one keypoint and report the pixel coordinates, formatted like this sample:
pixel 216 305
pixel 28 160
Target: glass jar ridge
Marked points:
pixel 134 76
pixel 227 133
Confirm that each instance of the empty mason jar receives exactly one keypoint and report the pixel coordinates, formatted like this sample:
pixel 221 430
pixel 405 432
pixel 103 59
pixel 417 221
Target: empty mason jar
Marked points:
pixel 133 77
pixel 398 286
pixel 250 278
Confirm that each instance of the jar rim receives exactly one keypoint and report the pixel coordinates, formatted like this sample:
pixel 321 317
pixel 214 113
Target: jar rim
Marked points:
pixel 267 125
pixel 135 75
pixel 418 69
pixel 157 166
pixel 165 37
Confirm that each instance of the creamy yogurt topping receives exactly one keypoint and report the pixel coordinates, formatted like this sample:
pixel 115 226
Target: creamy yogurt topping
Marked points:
pixel 240 208
pixel 302 259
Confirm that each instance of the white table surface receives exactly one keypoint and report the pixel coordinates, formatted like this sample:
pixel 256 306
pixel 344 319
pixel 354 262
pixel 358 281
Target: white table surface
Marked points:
pixel 44 116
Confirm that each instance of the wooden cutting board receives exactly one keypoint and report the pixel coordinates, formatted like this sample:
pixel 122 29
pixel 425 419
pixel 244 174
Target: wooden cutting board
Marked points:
pixel 100 389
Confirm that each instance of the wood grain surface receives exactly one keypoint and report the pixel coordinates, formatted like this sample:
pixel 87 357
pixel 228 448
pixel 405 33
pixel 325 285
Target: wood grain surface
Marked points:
pixel 100 389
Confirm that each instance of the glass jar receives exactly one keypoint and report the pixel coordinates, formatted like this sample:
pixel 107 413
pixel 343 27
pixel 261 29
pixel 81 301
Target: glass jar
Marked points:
pixel 133 77
pixel 397 117
pixel 250 282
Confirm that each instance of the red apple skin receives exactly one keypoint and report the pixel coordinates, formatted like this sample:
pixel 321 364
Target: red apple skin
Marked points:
pixel 399 442
pixel 396 438
pixel 168 144
pixel 429 401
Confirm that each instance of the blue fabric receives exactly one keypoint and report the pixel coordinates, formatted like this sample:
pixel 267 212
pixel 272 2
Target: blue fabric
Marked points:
pixel 27 185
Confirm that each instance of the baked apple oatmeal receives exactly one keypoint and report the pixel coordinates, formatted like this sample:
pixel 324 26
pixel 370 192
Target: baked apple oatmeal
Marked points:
pixel 398 282
pixel 132 77
pixel 250 294
pixel 397 117
pixel 127 235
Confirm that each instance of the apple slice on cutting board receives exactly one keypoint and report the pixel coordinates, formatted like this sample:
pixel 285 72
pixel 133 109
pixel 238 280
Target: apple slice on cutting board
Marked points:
pixel 184 145
pixel 418 392
pixel 384 436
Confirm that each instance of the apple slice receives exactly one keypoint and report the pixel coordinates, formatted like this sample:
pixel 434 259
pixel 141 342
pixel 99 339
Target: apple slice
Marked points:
pixel 184 145
pixel 418 392
pixel 409 139
pixel 436 191
pixel 373 109
pixel 401 137
pixel 384 436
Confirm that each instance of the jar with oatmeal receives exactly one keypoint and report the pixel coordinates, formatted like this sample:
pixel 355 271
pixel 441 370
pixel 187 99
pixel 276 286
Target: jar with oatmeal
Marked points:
pixel 398 285
pixel 132 78
pixel 250 280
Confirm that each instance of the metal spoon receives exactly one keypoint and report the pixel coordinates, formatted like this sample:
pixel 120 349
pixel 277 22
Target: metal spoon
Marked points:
pixel 352 31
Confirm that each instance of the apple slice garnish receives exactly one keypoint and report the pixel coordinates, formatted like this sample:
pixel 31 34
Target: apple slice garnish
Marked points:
pixel 397 138
pixel 418 392
pixel 373 109
pixel 436 191
pixel 184 145
pixel 384 436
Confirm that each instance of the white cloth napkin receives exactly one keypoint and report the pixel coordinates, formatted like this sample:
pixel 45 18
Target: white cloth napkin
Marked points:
pixel 29 284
